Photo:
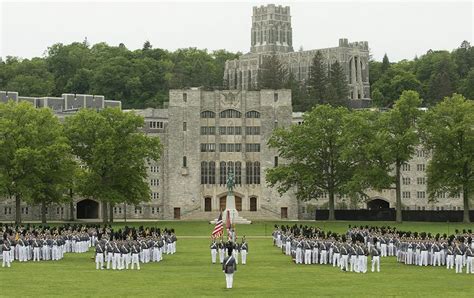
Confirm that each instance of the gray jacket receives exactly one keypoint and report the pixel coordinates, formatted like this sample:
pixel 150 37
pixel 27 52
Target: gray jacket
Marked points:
pixel 229 265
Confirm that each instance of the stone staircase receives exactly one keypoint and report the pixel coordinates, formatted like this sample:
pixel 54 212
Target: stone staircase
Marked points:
pixel 263 214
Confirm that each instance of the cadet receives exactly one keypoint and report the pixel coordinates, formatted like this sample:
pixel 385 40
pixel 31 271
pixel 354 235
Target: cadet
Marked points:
pixel 244 250
pixel 99 256
pixel 135 253
pixel 469 259
pixel 213 251
pixel 229 266
pixel 6 253
pixel 375 258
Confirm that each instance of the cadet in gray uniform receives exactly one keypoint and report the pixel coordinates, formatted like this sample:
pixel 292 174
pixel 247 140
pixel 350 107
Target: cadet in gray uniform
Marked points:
pixel 213 251
pixel 229 266
pixel 6 253
pixel 244 250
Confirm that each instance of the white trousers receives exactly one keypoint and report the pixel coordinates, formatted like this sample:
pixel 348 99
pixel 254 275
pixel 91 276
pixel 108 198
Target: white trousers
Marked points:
pixel 243 253
pixel 115 260
pixel 437 259
pixel 307 256
pixel 36 254
pixel 376 262
pixel 288 248
pixel 110 256
pixel 135 261
pixel 449 262
pixel 469 265
pixel 213 255
pixel 458 262
pixel 336 259
pixel 6 258
pixel 229 279
pixel 344 262
pixel 221 255
pixel 99 261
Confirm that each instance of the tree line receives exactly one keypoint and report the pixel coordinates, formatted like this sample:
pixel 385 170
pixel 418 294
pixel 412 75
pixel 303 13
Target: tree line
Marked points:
pixel 139 78
pixel 338 151
pixel 100 155
pixel 142 78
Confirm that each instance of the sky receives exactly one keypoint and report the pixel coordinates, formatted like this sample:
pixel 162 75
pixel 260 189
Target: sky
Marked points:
pixel 402 29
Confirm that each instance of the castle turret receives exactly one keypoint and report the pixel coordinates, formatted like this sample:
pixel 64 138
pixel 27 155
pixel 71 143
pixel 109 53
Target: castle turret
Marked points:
pixel 271 29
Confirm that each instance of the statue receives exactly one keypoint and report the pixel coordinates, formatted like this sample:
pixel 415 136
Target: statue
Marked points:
pixel 230 184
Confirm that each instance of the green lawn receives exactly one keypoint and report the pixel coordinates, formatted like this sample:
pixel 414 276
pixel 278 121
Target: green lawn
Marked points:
pixel 268 272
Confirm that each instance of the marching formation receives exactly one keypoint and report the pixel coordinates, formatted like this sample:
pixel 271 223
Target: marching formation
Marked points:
pixel 220 248
pixel 42 243
pixel 128 248
pixel 350 252
pixel 116 249
pixel 311 245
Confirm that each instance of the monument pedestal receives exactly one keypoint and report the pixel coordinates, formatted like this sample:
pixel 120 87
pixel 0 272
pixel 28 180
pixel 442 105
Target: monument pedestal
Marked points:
pixel 235 218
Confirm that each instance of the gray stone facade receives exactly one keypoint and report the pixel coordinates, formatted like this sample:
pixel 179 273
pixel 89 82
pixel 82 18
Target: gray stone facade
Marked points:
pixel 204 135
pixel 271 33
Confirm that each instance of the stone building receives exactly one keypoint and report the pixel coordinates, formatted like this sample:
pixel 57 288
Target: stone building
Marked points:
pixel 271 33
pixel 206 134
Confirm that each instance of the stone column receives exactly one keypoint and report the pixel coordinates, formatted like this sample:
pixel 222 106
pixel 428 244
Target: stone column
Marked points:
pixel 353 78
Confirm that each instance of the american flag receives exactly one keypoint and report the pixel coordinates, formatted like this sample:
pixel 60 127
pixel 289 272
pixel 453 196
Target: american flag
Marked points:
pixel 219 228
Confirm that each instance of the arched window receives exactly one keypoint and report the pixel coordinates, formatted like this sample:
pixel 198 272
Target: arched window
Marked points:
pixel 204 172
pixel 253 204
pixel 222 173
pixel 207 204
pixel 248 172
pixel 230 114
pixel 230 168
pixel 212 172
pixel 256 172
pixel 238 173
pixel 208 114
pixel 252 114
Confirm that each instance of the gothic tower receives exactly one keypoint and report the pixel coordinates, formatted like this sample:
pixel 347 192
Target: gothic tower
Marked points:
pixel 271 29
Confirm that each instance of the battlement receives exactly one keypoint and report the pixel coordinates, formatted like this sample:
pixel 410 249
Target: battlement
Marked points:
pixel 271 9
pixel 362 45
pixel 67 102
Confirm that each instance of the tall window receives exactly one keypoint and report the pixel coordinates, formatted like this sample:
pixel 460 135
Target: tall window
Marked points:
pixel 185 162
pixel 230 114
pixel 252 114
pixel 204 172
pixel 249 172
pixel 238 173
pixel 212 172
pixel 256 172
pixel 222 173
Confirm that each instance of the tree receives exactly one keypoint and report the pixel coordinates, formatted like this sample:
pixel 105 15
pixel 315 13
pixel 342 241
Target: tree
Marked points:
pixel 321 155
pixel 114 152
pixel 466 87
pixel 394 144
pixel 447 130
pixel 273 74
pixel 35 156
pixel 52 165
pixel 338 90
pixel 299 96
pixel 385 63
pixel 318 81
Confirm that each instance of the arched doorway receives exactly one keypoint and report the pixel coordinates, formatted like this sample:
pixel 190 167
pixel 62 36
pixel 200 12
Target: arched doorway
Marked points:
pixel 222 203
pixel 253 204
pixel 377 204
pixel 238 203
pixel 87 209
pixel 207 204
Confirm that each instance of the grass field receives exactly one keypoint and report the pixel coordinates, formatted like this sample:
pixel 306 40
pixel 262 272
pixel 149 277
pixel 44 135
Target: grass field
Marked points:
pixel 268 273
